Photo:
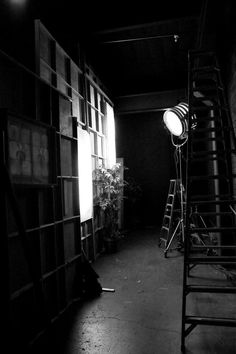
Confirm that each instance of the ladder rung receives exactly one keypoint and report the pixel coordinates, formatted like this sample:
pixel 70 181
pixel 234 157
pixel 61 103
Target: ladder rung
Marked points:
pixel 215 213
pixel 212 229
pixel 211 130
pixel 197 320
pixel 201 53
pixel 212 260
pixel 212 152
pixel 206 69
pixel 212 202
pixel 207 108
pixel 209 196
pixel 204 88
pixel 167 216
pixel 208 119
pixel 201 159
pixel 211 289
pixel 206 247
pixel 199 140
pixel 208 177
pixel 165 228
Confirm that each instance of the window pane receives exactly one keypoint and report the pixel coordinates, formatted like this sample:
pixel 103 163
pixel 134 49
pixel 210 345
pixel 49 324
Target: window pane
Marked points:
pixel 92 95
pixel 93 142
pixel 93 116
pixel 100 145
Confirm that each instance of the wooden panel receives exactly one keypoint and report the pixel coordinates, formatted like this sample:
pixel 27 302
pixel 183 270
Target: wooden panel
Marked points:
pixel 58 201
pixel 44 43
pixel 20 150
pixel 45 72
pixel 71 280
pixel 50 293
pixel 11 222
pixel 60 62
pixel 68 198
pixel 46 211
pixel 18 265
pixel 69 241
pixel 25 317
pixel 48 256
pixel 76 197
pixel 66 157
pixel 61 85
pixel 61 70
pixel 29 153
pixel 61 290
pixel 76 105
pixel 28 206
pixel 90 254
pixel 59 239
pixel 74 77
pixel 65 117
pixel 43 106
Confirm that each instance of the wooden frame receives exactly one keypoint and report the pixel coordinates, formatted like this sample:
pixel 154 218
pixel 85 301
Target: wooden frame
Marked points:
pixel 30 149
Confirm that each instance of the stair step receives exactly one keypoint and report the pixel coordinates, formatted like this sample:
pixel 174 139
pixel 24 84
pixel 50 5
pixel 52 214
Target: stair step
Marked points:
pixel 197 320
pixel 211 289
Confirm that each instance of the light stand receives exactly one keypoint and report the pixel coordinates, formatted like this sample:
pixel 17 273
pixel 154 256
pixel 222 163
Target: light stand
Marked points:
pixel 176 121
pixel 180 191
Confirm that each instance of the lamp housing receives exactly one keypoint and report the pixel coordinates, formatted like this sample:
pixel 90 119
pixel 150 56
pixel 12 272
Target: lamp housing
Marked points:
pixel 176 120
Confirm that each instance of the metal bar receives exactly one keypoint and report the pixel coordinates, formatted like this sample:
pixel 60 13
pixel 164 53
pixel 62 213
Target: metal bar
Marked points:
pixel 175 36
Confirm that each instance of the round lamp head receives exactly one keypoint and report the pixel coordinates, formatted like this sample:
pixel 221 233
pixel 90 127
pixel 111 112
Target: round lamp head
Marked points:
pixel 175 120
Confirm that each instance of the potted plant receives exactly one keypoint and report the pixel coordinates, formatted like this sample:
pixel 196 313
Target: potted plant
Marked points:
pixel 110 189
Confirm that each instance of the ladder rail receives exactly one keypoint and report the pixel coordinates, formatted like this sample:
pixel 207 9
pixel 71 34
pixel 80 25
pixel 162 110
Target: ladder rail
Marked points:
pixel 210 146
pixel 168 227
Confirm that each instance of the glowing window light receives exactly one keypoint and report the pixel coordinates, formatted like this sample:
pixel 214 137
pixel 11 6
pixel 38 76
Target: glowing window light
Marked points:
pixel 85 175
pixel 111 139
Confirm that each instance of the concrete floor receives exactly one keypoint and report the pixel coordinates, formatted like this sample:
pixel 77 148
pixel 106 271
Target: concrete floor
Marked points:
pixel 143 315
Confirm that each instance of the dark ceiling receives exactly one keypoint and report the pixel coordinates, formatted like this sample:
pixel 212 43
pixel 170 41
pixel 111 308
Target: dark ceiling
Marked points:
pixel 132 48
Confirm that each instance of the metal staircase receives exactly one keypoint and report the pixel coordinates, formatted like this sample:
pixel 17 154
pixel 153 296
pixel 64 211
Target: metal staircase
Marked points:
pixel 210 256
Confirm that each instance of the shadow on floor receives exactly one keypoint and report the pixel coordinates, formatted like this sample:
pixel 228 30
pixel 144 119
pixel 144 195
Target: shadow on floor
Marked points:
pixel 142 316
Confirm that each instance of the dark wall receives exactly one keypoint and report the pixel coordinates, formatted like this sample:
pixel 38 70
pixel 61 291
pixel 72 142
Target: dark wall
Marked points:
pixel 219 35
pixel 146 148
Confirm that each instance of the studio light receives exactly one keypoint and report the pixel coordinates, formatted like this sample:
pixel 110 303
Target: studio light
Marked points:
pixel 175 119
